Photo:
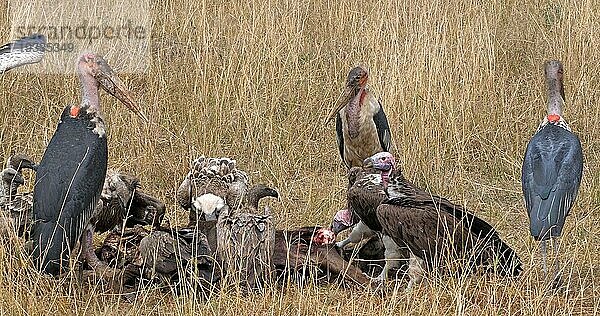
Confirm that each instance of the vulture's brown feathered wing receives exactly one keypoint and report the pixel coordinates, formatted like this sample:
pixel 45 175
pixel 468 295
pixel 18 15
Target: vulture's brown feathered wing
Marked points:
pixel 245 243
pixel 123 201
pixel 440 232
pixel 365 193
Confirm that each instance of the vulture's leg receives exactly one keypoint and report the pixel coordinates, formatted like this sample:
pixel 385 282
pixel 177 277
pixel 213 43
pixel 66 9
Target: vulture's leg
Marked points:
pixel 359 231
pixel 556 282
pixel 544 253
pixel 416 270
pixel 392 256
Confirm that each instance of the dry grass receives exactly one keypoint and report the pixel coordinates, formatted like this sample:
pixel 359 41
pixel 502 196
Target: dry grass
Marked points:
pixel 461 83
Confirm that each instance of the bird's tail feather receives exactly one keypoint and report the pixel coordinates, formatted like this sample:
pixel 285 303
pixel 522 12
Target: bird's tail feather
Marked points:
pixel 49 253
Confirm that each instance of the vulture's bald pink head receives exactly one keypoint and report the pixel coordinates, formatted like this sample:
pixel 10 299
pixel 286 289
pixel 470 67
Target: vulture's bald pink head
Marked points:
pixel 342 220
pixel 383 162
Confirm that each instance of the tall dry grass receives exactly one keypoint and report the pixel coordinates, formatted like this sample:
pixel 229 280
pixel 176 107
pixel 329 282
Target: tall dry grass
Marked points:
pixel 461 82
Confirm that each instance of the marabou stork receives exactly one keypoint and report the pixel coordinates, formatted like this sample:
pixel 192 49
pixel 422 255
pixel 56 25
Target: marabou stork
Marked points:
pixel 26 50
pixel 361 125
pixel 71 174
pixel 436 231
pixel 552 169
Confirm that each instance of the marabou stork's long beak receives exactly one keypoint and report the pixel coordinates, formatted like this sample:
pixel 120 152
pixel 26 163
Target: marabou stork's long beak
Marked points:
pixel 343 99
pixel 355 85
pixel 26 50
pixel 111 83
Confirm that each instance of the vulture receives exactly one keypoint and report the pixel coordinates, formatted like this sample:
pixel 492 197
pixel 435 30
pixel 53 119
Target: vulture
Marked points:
pixel 437 232
pixel 180 258
pixel 16 208
pixel 122 202
pixel 365 193
pixel 71 174
pixel 246 240
pixel 217 176
pixel 26 50
pixel 552 170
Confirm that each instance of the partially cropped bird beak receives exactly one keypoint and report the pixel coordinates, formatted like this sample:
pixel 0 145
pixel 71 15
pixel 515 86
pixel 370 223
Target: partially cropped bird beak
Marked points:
pixel 113 85
pixel 368 163
pixel 344 98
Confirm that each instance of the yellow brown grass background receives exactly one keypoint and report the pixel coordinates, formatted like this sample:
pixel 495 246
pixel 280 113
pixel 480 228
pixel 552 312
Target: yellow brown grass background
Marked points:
pixel 462 85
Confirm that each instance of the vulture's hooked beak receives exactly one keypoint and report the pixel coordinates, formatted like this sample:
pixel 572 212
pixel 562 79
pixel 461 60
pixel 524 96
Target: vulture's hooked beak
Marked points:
pixel 113 85
pixel 368 163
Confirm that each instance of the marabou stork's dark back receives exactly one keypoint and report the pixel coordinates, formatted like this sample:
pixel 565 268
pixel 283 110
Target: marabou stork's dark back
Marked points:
pixel 26 50
pixel 552 168
pixel 70 176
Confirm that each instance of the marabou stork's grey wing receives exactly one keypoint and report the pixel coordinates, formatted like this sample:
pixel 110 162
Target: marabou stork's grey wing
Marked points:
pixel 383 129
pixel 27 50
pixel 339 136
pixel 68 185
pixel 551 176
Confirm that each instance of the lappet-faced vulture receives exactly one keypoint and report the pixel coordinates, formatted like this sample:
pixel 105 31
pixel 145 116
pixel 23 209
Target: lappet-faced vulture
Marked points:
pixel 438 232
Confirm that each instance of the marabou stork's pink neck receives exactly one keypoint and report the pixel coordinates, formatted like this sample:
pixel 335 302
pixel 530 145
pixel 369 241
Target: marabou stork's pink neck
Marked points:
pixel 353 112
pixel 90 100
pixel 556 92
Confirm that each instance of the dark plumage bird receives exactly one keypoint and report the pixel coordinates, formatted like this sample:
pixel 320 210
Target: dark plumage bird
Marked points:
pixel 122 201
pixel 552 168
pixel 246 240
pixel 26 50
pixel 217 177
pixel 366 192
pixel 71 174
pixel 178 257
pixel 361 125
pixel 16 208
pixel 436 231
